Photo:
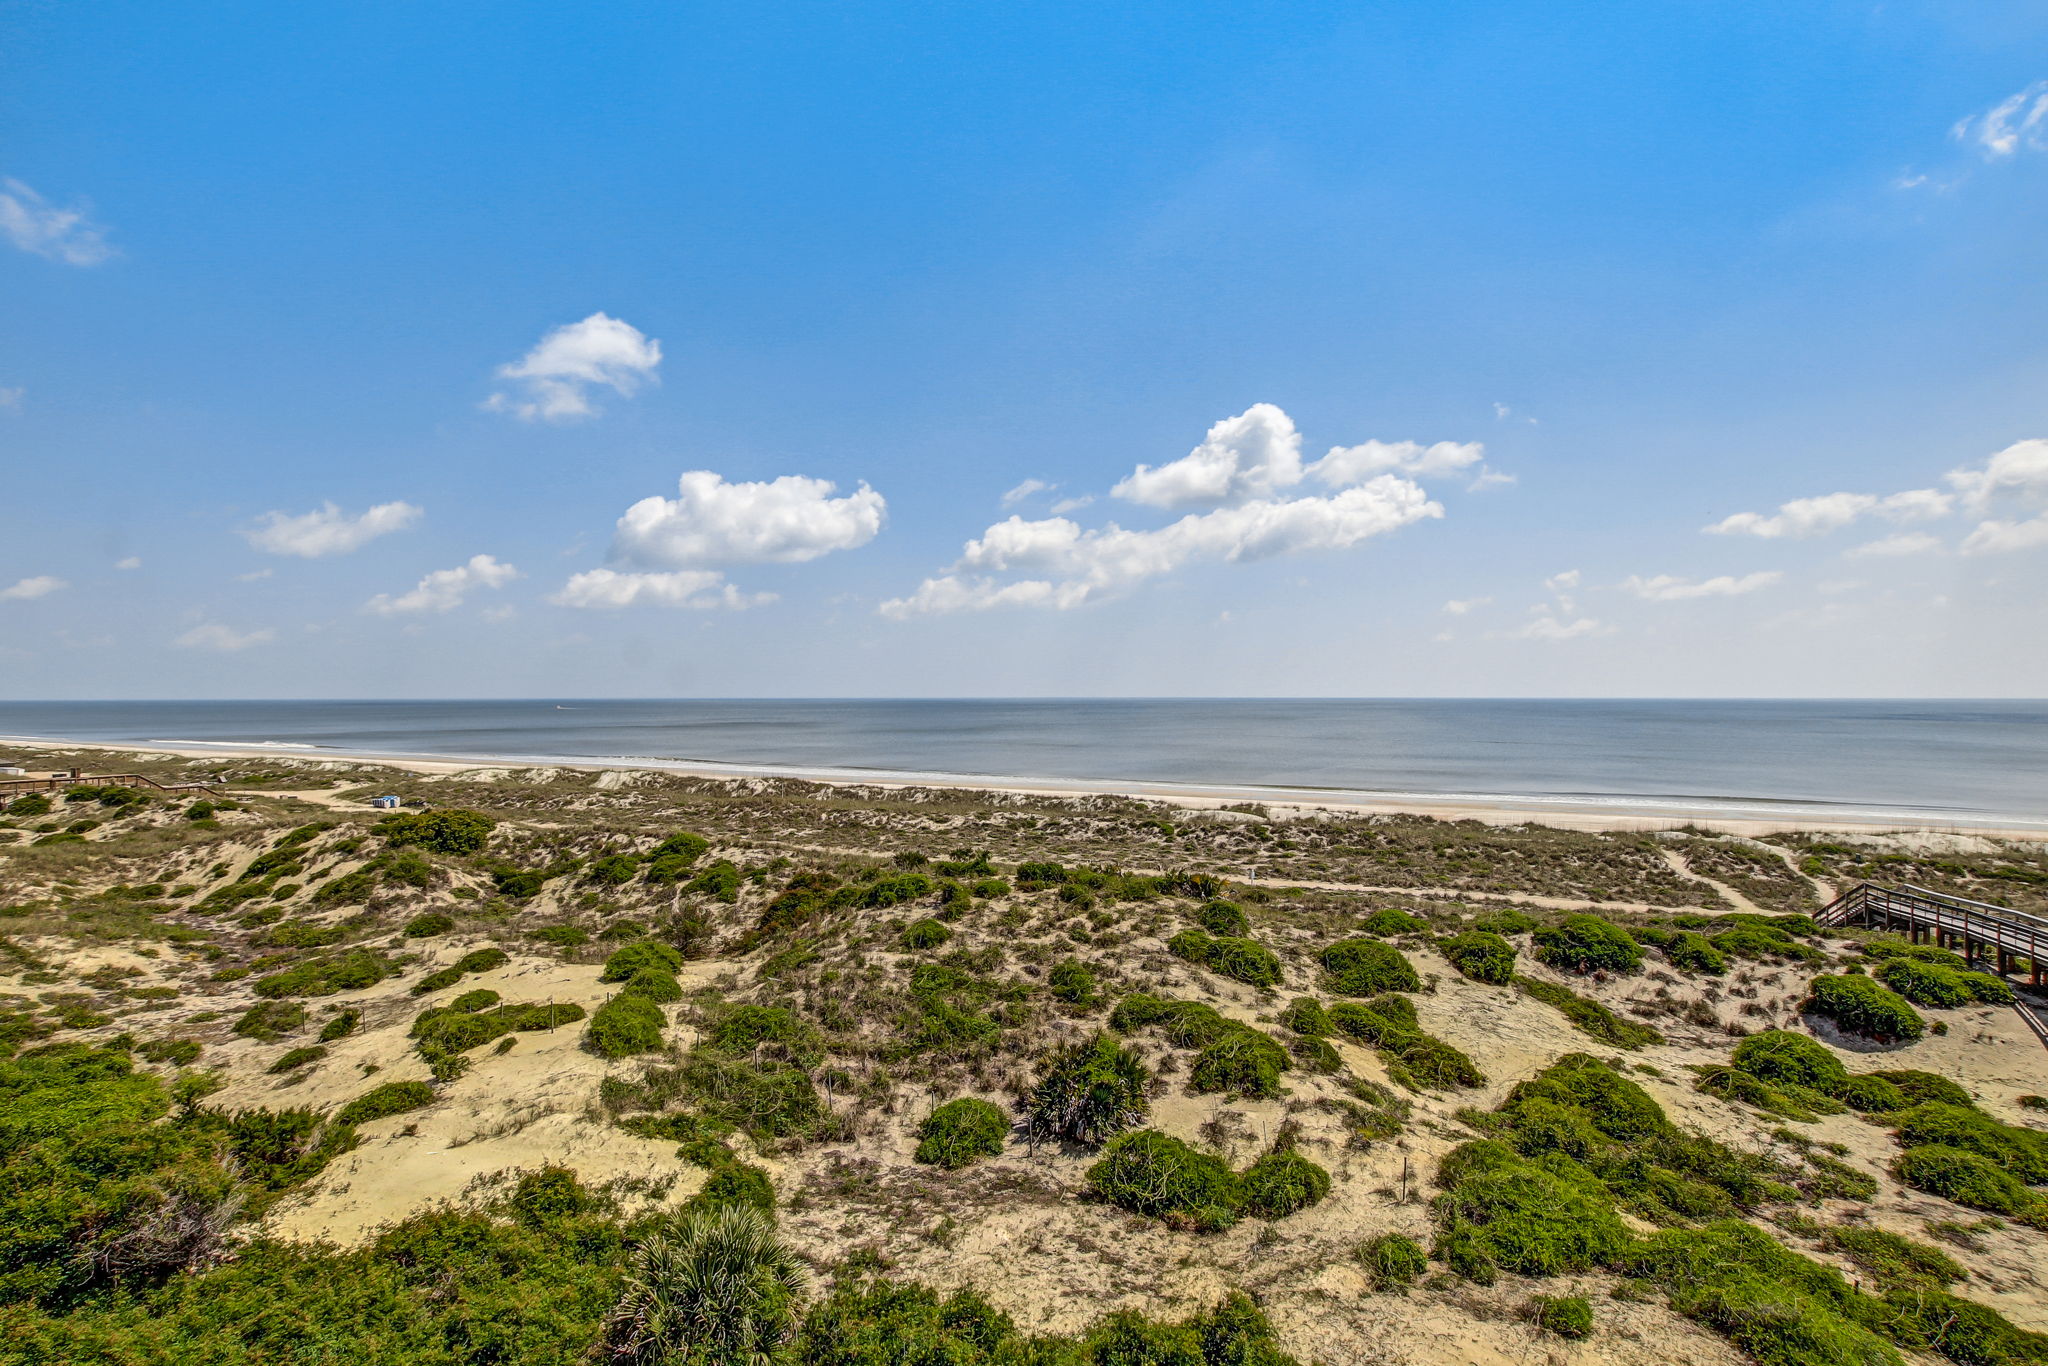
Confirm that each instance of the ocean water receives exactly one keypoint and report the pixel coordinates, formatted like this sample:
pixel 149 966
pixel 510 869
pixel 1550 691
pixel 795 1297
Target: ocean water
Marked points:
pixel 1920 762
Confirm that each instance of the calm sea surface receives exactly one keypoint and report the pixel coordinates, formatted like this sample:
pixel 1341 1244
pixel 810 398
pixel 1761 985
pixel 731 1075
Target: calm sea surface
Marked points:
pixel 1954 763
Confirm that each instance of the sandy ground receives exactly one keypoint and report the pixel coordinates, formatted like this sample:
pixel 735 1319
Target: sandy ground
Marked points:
pixel 1561 815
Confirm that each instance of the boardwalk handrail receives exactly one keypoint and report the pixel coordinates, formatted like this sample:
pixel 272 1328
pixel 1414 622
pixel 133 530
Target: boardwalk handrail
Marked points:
pixel 1974 926
pixel 15 786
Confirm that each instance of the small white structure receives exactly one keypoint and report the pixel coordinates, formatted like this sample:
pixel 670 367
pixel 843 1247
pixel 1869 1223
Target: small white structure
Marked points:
pixel 384 803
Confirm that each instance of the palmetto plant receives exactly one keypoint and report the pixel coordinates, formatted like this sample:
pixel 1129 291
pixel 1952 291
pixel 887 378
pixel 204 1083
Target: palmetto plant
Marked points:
pixel 1092 1091
pixel 720 1290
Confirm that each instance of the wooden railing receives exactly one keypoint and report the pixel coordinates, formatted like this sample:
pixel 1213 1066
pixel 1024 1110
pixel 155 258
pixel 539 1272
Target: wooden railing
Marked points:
pixel 14 787
pixel 2009 939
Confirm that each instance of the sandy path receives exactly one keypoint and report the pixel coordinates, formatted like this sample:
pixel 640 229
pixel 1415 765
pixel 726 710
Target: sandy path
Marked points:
pixel 1735 898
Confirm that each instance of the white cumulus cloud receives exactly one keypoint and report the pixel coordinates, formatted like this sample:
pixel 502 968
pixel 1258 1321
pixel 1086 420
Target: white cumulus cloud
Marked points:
pixel 1552 628
pixel 1458 607
pixel 444 589
pixel 2016 123
pixel 2020 469
pixel 1996 537
pixel 711 522
pixel 1069 565
pixel 553 382
pixel 1670 588
pixel 37 226
pixel 40 585
pixel 213 635
pixel 693 588
pixel 327 530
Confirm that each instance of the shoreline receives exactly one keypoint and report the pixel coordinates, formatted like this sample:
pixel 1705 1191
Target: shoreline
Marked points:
pixel 1561 813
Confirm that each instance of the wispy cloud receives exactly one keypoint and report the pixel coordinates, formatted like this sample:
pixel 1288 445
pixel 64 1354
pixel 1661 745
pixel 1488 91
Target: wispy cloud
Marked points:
pixel 327 530
pixel 1670 588
pixel 2018 123
pixel 1458 607
pixel 1905 543
pixel 213 635
pixel 444 589
pixel 697 589
pixel 42 585
pixel 35 225
pixel 1803 517
pixel 553 381
pixel 1548 627
pixel 1025 490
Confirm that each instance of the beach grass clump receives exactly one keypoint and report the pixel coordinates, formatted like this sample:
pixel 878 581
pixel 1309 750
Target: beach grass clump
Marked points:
pixel 746 1028
pixel 1590 1016
pixel 1861 1006
pixel 1393 1261
pixel 640 954
pixel 1389 921
pixel 1920 1086
pixel 1241 960
pixel 1088 1092
pixel 625 1025
pixel 1966 1178
pixel 1305 1015
pixel 452 832
pixel 1892 1260
pixel 1481 956
pixel 1690 951
pixel 1568 1316
pixel 1925 984
pixel 1506 920
pixel 1366 967
pixel 392 1098
pixel 1225 919
pixel 920 935
pixel 478 960
pixel 1280 1183
pixel 1586 943
pixel 269 1021
pixel 1242 1062
pixel 325 975
pixel 1415 1059
pixel 960 1131
pixel 1072 982
pixel 1780 1056
pixel 1187 1024
pixel 2022 1152
pixel 427 924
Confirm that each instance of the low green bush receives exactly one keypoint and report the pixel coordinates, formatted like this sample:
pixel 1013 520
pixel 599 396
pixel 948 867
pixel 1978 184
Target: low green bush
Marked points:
pixel 1778 1055
pixel 341 1026
pixel 1590 1016
pixel 1366 967
pixel 960 1131
pixel 653 984
pixel 1481 956
pixel 392 1098
pixel 561 936
pixel 924 934
pixel 323 976
pixel 1586 943
pixel 1506 920
pixel 1242 1062
pixel 1415 1059
pixel 1893 1261
pixel 1689 951
pixel 1965 1178
pixel 1861 1006
pixel 1389 922
pixel 269 1021
pixel 1306 1015
pixel 1072 981
pixel 427 924
pixel 1224 918
pixel 2023 1152
pixel 297 1058
pixel 1568 1316
pixel 1924 984
pixel 1919 1086
pixel 641 953
pixel 1393 1261
pixel 1241 960
pixel 1282 1183
pixel 1149 1172
pixel 1090 1092
pixel 441 832
pixel 625 1025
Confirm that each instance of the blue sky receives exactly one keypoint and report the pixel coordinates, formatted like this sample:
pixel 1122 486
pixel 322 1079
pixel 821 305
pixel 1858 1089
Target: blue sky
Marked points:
pixel 645 350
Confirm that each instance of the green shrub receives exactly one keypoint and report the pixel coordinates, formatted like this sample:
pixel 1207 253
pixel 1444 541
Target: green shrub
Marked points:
pixel 1393 1261
pixel 1919 1086
pixel 1924 984
pixel 1690 952
pixel 1871 1095
pixel 1965 1178
pixel 1072 981
pixel 1529 1218
pixel 1415 1059
pixel 427 924
pixel 1586 943
pixel 177 1052
pixel 1861 1006
pixel 765 1098
pixel 1591 1016
pixel 341 1026
pixel 561 936
pixel 734 1184
pixel 297 1058
pixel 1225 918
pixel 1893 1261
pixel 1506 920
pixel 269 1021
pixel 1481 956
pixel 1240 960
pixel 1282 1183
pixel 654 985
pixel 1389 922
pixel 392 1098
pixel 643 953
pixel 960 1131
pixel 684 845
pixel 1568 1316
pixel 36 804
pixel 924 934
pixel 1149 1172
pixel 2023 1152
pixel 1991 991
pixel 1306 1015
pixel 1090 1092
pixel 1366 967
pixel 350 971
pixel 625 1025
pixel 1243 1062
pixel 439 832
pixel 613 870
pixel 1778 1055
